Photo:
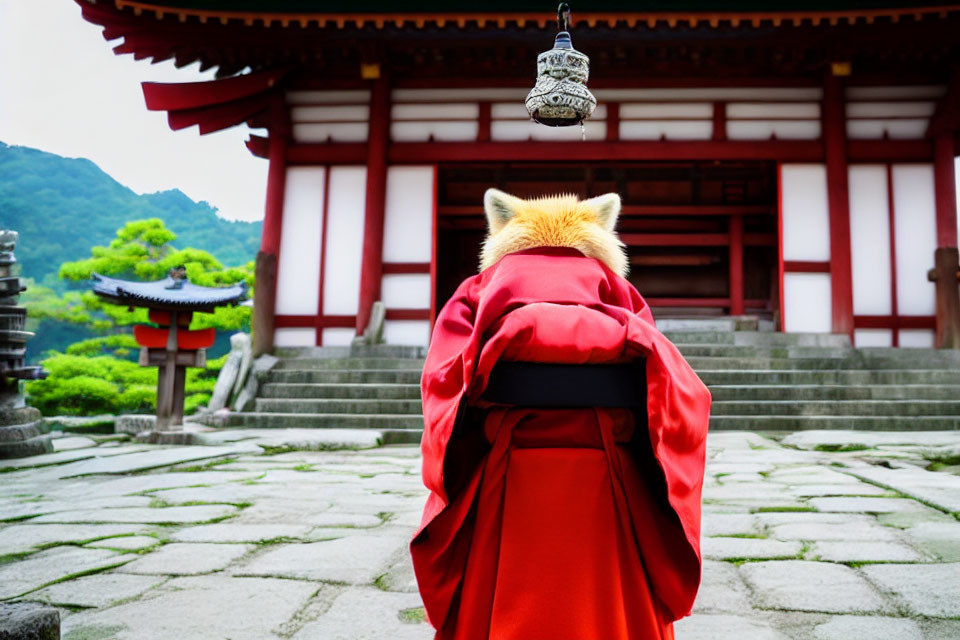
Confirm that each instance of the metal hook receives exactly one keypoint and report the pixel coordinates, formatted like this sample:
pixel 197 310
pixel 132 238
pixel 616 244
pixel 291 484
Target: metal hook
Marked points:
pixel 563 16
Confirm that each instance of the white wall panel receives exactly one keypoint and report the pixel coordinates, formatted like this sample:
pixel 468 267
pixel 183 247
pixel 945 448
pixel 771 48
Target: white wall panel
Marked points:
pixel 794 94
pixel 669 129
pixel 890 109
pixel 298 269
pixel 806 218
pixel 338 337
pixel 666 110
pixel 462 111
pixel 870 240
pixel 760 110
pixel 895 92
pixel 765 129
pixel 345 214
pixel 406 291
pixel 353 112
pixel 408 223
pixel 529 130
pixel 411 332
pixel 923 338
pixel 915 229
pixel 872 337
pixel 330 132
pixel 906 129
pixel 295 337
pixel 807 302
pixel 439 130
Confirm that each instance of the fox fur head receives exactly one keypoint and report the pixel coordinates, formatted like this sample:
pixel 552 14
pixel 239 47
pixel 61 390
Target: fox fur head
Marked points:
pixel 553 221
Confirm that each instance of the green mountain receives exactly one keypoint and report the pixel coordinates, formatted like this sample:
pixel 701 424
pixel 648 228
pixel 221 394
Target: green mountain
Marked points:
pixel 64 206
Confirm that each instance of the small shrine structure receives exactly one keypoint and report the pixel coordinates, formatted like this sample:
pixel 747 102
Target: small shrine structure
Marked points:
pixel 171 345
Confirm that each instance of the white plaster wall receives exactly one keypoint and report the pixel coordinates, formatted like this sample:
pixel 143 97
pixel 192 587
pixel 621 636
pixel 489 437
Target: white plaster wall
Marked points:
pixel 789 94
pixel 298 270
pixel 330 132
pixel 530 130
pixel 345 215
pixel 666 129
pixel 767 129
pixel 438 130
pixel 873 337
pixel 923 338
pixel 408 218
pixel 406 291
pixel 908 128
pixel 915 229
pixel 760 110
pixel 411 332
pixel 807 302
pixel 870 240
pixel 806 219
pixel 295 337
pixel 338 336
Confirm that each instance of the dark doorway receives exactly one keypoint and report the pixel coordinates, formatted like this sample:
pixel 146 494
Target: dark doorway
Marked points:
pixel 684 225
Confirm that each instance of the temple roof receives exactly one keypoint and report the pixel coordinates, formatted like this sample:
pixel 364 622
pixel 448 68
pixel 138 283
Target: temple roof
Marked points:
pixel 165 294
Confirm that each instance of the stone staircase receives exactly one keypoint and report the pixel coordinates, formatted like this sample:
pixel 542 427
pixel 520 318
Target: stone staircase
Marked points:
pixel 760 380
pixel 763 380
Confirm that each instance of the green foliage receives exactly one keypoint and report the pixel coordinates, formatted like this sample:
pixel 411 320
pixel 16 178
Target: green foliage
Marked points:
pixel 120 345
pixel 64 206
pixel 85 382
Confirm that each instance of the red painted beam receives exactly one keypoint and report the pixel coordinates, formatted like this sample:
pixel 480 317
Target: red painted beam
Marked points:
pixel 895 322
pixel 322 277
pixel 405 267
pixel 835 146
pixel 613 121
pixel 319 322
pixel 946 191
pixel 371 265
pixel 703 302
pixel 695 239
pixel 483 122
pixel 719 121
pixel 889 151
pixel 408 314
pixel 806 266
pixel 892 230
pixel 736 265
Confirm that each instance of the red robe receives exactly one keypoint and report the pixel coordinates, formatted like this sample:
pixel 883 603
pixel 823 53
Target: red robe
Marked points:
pixel 557 524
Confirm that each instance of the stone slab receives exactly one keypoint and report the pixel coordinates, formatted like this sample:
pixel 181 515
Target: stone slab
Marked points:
pixel 720 548
pixel 872 627
pixel 837 489
pixel 165 515
pixel 863 551
pixel 701 626
pixel 20 538
pixel 941 490
pixel 814 531
pixel 152 459
pixel 186 559
pixel 942 539
pixel 28 621
pixel 101 590
pixel 357 559
pixel 929 590
pixel 126 543
pixel 191 608
pixel 800 585
pixel 339 519
pixel 236 532
pixel 721 590
pixel 865 505
pixel 368 614
pixel 400 577
pixel 45 567
pixel 72 443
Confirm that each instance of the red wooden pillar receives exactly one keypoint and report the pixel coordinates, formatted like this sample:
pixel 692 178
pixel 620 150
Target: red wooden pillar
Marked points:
pixel 838 199
pixel 736 265
pixel 946 258
pixel 371 273
pixel 265 293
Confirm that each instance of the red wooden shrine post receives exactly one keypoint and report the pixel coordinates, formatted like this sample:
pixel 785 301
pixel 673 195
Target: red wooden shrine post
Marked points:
pixel 946 271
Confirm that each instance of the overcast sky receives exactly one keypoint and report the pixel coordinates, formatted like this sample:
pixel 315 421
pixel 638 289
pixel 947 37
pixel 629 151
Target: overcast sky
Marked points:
pixel 63 90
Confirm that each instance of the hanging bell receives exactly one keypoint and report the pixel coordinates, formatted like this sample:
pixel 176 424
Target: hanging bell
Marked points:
pixel 560 97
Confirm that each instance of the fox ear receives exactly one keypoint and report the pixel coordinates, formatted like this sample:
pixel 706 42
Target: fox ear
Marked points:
pixel 500 208
pixel 606 208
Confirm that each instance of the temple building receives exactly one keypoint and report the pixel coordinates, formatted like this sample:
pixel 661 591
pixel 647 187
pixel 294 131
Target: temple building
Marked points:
pixel 789 160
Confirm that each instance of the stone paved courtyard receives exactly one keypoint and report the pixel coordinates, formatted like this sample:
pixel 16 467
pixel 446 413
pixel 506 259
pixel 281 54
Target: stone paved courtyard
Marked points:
pixel 819 535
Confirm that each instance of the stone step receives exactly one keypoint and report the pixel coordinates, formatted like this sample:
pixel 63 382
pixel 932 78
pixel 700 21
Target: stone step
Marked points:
pixel 357 391
pixel 391 364
pixel 20 432
pixel 34 446
pixel 767 352
pixel 316 376
pixel 797 423
pixel 365 351
pixel 903 408
pixel 759 338
pixel 698 324
pixel 723 392
pixel 861 362
pixel 323 421
pixel 749 376
pixel 337 405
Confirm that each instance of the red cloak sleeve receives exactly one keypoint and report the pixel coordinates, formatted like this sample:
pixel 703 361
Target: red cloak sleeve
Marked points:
pixel 556 305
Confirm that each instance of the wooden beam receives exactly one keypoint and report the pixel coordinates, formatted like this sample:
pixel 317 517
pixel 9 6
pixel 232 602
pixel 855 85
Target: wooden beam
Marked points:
pixel 835 143
pixel 667 210
pixel 735 271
